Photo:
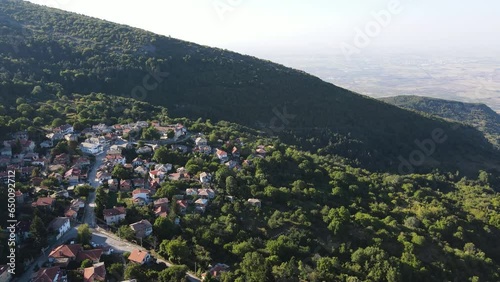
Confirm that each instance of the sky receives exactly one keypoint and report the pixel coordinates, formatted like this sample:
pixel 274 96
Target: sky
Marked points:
pixel 258 27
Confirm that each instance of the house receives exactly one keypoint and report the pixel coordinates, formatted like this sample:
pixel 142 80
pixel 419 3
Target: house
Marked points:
pixel 261 151
pixel 179 176
pixel 139 256
pixel 4 161
pixel 73 176
pixel 125 184
pixel 82 162
pixel 192 192
pixel 20 135
pixel 115 159
pixel 44 202
pixel 5 275
pixel 205 177
pixel 92 255
pixel 51 274
pixel 144 150
pixel 71 137
pixel 254 202
pixel 204 149
pixel 62 159
pixel 215 271
pixel 161 202
pixel 141 193
pixel 114 215
pixel 232 164
pixel 54 137
pixel 161 211
pixel 60 225
pixel 97 272
pixel 28 146
pixel 138 182
pixel 62 255
pixel 47 144
pixel 163 167
pixel 206 193
pixel 103 176
pixel 63 129
pixel 142 228
pixel 180 148
pixel 222 155
pixel 70 213
pixel 201 141
pixel 235 152
pixel 154 183
pixel 113 184
pixel 141 171
pixel 137 162
pixel 201 204
pixel 182 205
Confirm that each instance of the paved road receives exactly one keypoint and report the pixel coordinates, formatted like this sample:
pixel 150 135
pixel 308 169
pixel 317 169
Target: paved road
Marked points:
pixel 89 216
pixel 103 237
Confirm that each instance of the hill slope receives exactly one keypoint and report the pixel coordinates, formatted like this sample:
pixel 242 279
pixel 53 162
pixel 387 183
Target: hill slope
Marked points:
pixel 60 53
pixel 478 115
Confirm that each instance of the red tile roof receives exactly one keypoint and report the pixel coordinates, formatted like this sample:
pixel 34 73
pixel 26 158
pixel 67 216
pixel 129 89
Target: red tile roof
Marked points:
pixel 138 256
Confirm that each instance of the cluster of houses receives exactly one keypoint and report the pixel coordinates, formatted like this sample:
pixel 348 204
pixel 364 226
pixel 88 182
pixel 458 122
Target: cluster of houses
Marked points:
pixel 18 154
pixel 63 255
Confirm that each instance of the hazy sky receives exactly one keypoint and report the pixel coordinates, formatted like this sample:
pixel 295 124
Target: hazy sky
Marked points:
pixel 312 26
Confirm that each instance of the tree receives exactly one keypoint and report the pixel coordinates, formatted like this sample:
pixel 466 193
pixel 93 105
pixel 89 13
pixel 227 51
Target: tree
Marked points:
pixel 231 185
pixel 38 232
pixel 161 155
pixel 126 232
pixel 86 263
pixel 150 133
pixel 176 250
pixel 57 122
pixel 100 201
pixel 253 265
pixel 336 219
pixel 83 190
pixel 164 228
pixel 174 273
pixel 119 171
pixel 84 234
pixel 134 271
pixel 116 270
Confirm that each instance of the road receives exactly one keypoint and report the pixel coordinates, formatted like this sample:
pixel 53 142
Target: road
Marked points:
pixel 89 216
pixel 102 237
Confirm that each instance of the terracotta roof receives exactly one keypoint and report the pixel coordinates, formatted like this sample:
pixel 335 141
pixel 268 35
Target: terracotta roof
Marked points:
pixel 161 202
pixel 138 256
pixel 114 211
pixel 93 255
pixel 97 272
pixel 66 251
pixel 161 211
pixel 47 274
pixel 140 191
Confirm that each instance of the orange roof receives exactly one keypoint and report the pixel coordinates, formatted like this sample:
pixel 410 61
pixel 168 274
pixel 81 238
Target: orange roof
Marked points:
pixel 66 251
pixel 97 272
pixel 46 274
pixel 93 255
pixel 138 256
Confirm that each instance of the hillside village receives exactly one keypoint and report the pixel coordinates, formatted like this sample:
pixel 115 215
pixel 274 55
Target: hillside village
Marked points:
pixel 134 180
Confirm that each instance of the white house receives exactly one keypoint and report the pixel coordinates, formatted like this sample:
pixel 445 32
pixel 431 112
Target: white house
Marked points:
pixel 205 177
pixel 60 225
pixel 201 141
pixel 141 193
pixel 91 148
pixel 114 215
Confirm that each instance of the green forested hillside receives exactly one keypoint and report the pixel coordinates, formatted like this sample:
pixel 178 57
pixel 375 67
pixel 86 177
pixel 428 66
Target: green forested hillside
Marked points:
pixel 321 218
pixel 478 115
pixel 46 53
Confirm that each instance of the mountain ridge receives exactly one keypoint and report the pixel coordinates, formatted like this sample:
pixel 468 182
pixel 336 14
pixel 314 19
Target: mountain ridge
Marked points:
pixel 67 53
